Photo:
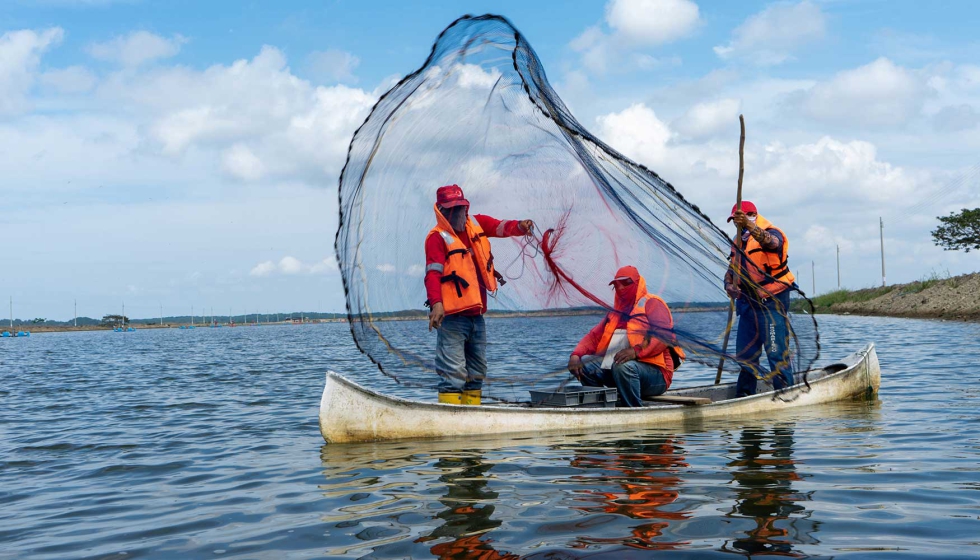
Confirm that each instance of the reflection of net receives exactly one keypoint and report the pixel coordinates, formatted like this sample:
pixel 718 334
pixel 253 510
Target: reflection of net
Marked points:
pixel 480 113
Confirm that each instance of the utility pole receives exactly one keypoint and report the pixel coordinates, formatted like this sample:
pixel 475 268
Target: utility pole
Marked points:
pixel 813 277
pixel 123 314
pixel 192 315
pixel 76 312
pixel 881 225
pixel 11 312
pixel 838 267
pixel 161 314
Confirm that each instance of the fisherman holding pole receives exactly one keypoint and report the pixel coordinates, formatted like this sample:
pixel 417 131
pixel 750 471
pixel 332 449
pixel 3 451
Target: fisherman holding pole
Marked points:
pixel 758 281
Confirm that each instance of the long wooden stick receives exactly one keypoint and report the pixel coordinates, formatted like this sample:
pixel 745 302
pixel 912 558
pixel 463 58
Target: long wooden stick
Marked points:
pixel 738 246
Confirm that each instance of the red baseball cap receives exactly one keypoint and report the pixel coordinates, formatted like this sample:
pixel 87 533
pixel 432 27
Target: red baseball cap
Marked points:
pixel 627 273
pixel 449 196
pixel 747 207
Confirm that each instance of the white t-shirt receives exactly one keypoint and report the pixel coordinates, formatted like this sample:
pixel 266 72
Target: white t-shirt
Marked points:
pixel 619 341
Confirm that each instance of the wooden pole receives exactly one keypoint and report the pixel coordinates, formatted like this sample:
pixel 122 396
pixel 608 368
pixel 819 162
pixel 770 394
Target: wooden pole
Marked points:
pixel 738 246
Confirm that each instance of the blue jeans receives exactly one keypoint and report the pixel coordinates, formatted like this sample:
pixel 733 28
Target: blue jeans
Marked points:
pixel 631 380
pixel 461 353
pixel 763 324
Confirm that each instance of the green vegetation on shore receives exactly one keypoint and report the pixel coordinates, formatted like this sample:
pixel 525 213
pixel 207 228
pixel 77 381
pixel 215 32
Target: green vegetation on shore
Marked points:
pixel 934 296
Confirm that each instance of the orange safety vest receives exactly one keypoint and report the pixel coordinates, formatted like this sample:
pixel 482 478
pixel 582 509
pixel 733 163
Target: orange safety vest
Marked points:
pixel 460 280
pixel 638 329
pixel 769 271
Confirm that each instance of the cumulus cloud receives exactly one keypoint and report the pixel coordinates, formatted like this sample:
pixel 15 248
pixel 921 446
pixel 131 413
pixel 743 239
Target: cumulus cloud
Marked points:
pixel 709 118
pixel 136 48
pixel 333 65
pixel 770 36
pixel 954 118
pixel 637 133
pixel 74 79
pixel 239 161
pixel 652 22
pixel 256 116
pixel 633 25
pixel 20 55
pixel 879 93
pixel 289 265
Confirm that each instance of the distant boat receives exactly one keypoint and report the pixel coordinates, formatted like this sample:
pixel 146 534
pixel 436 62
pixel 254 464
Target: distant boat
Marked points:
pixel 351 413
pixel 8 334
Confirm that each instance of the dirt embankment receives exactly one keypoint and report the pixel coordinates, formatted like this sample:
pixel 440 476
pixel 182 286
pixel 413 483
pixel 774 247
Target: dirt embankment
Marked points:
pixel 947 298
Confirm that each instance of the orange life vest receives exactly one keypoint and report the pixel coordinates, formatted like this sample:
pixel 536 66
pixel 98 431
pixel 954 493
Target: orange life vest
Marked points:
pixel 464 267
pixel 638 329
pixel 769 271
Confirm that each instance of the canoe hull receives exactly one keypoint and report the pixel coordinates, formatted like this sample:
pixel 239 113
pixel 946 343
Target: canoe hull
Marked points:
pixel 351 413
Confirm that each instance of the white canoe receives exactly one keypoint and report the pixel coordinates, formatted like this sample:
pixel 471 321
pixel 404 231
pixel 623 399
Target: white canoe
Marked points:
pixel 351 413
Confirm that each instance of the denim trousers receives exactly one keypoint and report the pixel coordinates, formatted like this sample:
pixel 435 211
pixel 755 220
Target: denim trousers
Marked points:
pixel 632 380
pixel 763 324
pixel 461 353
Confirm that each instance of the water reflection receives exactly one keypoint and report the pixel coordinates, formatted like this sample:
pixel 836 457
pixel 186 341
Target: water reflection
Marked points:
pixel 467 517
pixel 764 472
pixel 639 482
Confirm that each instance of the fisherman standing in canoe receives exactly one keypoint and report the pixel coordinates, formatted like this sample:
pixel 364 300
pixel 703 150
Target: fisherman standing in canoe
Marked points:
pixel 458 274
pixel 761 295
pixel 633 340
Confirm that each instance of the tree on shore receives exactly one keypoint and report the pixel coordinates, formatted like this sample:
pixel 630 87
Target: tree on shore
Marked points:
pixel 959 231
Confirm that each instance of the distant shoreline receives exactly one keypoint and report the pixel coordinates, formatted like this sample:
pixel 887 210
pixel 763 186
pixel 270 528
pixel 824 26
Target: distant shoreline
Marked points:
pixel 37 329
pixel 381 317
pixel 935 297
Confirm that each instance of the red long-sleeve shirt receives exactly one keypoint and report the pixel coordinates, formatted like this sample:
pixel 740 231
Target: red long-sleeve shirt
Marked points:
pixel 435 252
pixel 658 316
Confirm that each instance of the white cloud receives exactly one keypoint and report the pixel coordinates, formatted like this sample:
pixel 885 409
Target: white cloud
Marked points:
pixel 879 93
pixel 386 267
pixel 333 65
pixel 954 118
pixel 255 116
pixel 20 55
pixel 415 270
pixel 239 161
pixel 770 36
pixel 652 22
pixel 709 118
pixel 74 79
pixel 137 48
pixel 263 269
pixel 635 24
pixel 637 133
pixel 292 266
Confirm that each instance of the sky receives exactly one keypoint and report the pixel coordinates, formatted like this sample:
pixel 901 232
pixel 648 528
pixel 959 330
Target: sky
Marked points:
pixel 183 156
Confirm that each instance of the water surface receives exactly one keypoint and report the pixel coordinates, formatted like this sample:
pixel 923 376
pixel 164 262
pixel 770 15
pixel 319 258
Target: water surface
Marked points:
pixel 204 443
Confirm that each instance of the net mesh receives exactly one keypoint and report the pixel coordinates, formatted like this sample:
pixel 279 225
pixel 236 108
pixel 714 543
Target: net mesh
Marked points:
pixel 480 113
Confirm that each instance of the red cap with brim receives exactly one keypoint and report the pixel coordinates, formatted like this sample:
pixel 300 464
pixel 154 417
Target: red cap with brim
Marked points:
pixel 627 273
pixel 747 207
pixel 450 195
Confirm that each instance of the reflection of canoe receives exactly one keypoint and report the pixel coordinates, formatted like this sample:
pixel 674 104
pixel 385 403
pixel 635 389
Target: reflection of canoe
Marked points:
pixel 351 413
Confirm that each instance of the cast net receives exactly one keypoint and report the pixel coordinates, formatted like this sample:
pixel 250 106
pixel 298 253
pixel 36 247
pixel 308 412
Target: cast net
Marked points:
pixel 481 114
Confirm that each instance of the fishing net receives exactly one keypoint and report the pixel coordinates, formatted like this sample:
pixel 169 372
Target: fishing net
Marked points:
pixel 481 114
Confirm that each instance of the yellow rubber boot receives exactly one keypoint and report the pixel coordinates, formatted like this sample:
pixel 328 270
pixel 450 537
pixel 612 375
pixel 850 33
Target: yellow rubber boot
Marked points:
pixel 471 397
pixel 450 398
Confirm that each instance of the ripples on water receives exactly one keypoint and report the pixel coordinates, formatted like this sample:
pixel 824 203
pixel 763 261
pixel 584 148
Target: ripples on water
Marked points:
pixel 204 443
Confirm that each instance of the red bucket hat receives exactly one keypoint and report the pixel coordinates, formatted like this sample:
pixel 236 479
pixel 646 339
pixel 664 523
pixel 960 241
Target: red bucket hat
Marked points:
pixel 747 207
pixel 449 196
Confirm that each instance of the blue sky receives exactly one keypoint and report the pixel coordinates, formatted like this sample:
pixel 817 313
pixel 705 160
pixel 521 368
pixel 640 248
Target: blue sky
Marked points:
pixel 162 153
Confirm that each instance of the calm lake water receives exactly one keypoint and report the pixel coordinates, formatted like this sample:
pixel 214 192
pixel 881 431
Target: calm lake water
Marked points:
pixel 204 443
